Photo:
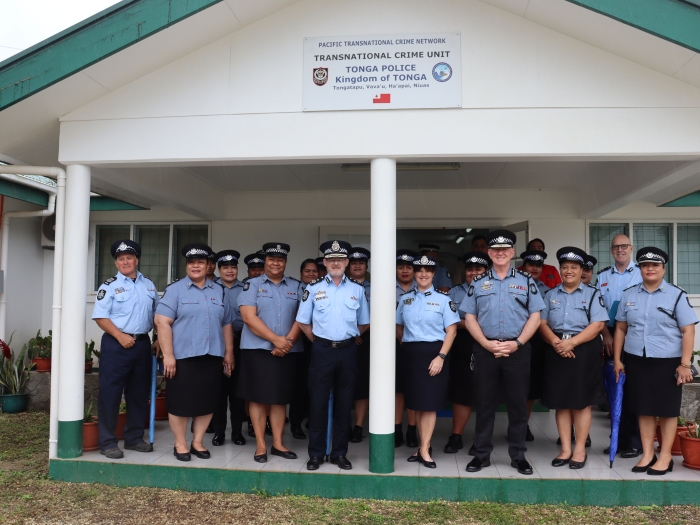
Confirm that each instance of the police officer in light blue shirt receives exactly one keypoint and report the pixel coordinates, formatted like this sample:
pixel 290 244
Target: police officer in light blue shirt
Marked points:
pixel 333 312
pixel 443 278
pixel 124 309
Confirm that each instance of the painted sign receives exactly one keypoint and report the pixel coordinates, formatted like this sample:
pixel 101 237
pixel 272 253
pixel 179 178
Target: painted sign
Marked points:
pixel 382 72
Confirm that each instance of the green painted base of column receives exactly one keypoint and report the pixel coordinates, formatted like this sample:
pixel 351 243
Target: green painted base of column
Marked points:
pixel 381 453
pixel 70 439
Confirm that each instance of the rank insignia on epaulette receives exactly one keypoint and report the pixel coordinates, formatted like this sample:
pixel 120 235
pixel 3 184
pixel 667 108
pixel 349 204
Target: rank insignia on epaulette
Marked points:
pixel 110 280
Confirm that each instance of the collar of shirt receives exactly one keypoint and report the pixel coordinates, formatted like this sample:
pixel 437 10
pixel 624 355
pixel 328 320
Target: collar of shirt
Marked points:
pixel 414 284
pixel 265 278
pixel 661 288
pixel 207 283
pixel 579 288
pixel 124 278
pixel 493 275
pixel 429 290
pixel 328 280
pixel 629 268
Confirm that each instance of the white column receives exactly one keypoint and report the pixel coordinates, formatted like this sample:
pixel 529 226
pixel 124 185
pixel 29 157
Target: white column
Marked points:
pixel 383 316
pixel 71 381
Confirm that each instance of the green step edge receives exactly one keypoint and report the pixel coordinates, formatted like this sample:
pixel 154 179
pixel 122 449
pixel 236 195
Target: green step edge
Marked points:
pixel 70 439
pixel 381 453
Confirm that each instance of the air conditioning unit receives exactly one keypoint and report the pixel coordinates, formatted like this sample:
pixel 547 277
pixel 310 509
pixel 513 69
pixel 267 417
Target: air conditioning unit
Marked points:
pixel 48 232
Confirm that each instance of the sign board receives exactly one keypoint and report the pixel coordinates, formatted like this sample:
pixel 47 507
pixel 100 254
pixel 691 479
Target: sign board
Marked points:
pixel 407 71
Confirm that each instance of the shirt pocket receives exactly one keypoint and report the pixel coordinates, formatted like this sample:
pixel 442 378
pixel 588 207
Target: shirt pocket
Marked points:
pixel 322 304
pixel 188 307
pixel 433 313
pixel 519 297
pixel 216 308
pixel 350 310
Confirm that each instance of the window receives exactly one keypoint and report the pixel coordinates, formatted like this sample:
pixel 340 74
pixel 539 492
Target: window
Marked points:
pixel 183 235
pixel 658 235
pixel 688 257
pixel 600 240
pixel 104 262
pixel 154 242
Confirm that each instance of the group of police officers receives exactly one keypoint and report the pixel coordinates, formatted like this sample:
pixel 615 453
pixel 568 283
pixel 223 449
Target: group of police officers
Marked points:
pixel 499 308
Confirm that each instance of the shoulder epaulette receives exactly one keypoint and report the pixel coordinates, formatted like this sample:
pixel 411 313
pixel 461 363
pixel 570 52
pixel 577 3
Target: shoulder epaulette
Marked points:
pixel 411 290
pixel 523 272
pixel 630 287
pixel 293 279
pixel 110 280
pixel 245 279
pixel 174 281
pixel 315 281
pixel 220 284
pixel 545 293
pixel 589 285
pixel 479 277
pixel 443 293
pixel 676 286
pixel 604 270
pixel 355 281
pixel 147 277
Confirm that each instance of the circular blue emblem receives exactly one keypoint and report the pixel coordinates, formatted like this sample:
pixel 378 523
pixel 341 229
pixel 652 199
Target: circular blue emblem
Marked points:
pixel 442 72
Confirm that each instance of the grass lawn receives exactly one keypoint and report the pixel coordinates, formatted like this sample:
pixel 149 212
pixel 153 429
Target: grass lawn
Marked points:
pixel 27 495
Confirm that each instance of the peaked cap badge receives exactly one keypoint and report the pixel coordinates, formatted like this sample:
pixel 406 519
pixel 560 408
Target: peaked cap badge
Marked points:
pixel 335 246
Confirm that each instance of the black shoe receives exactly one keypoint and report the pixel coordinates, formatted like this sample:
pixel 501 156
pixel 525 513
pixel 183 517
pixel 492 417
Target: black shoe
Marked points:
pixel 251 430
pixel 141 446
pixel 654 472
pixel 356 435
pixel 476 464
pixel 342 462
pixel 528 435
pixel 411 437
pixel 575 465
pixel 414 458
pixel 454 444
pixel 427 464
pixel 218 439
pixel 182 457
pixel 262 458
pixel 588 442
pixel 268 428
pixel 398 436
pixel 201 454
pixel 314 463
pixel 645 467
pixel 112 453
pixel 238 439
pixel 286 454
pixel 472 451
pixel 298 433
pixel 631 453
pixel 560 462
pixel 523 466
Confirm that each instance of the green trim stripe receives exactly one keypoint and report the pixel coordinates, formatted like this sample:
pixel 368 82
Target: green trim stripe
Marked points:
pixel 381 453
pixel 23 193
pixel 672 20
pixel 692 200
pixel 110 204
pixel 606 493
pixel 88 42
pixel 70 439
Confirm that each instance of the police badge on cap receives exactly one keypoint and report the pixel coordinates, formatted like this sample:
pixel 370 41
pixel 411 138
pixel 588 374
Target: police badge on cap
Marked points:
pixel 651 254
pixel 590 261
pixel 501 239
pixel 254 260
pixel 196 250
pixel 533 256
pixel 405 256
pixel 276 249
pixel 125 246
pixel 571 254
pixel 335 249
pixel 424 260
pixel 229 257
pixel 359 254
pixel 476 259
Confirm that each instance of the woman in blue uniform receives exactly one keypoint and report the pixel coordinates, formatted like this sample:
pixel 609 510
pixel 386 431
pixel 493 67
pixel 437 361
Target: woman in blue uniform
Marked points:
pixel 357 269
pixel 194 323
pixel 426 325
pixel 573 316
pixel 655 326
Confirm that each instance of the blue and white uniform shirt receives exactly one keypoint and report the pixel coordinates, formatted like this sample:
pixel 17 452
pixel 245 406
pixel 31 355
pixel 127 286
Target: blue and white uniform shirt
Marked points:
pixel 232 294
pixel 571 313
pixel 612 283
pixel 457 295
pixel 368 290
pixel 129 304
pixel 654 319
pixel 425 315
pixel 334 311
pixel 543 288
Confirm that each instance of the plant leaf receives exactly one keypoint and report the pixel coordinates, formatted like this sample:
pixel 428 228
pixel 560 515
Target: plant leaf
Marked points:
pixel 6 350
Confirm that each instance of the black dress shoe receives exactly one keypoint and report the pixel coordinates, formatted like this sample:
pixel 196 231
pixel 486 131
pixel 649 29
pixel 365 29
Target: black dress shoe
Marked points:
pixel 654 472
pixel 268 428
pixel 523 466
pixel 238 439
pixel 414 458
pixel 427 464
pixel 314 463
pixel 645 467
pixel 218 439
pixel 575 465
pixel 286 454
pixel 262 458
pixel 588 442
pixel 182 457
pixel 560 462
pixel 356 434
pixel 454 444
pixel 398 436
pixel 201 454
pixel 631 453
pixel 472 451
pixel 298 433
pixel 528 435
pixel 411 437
pixel 476 464
pixel 342 462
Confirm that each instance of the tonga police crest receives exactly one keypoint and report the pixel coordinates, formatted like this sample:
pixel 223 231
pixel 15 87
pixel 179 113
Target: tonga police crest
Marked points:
pixel 320 76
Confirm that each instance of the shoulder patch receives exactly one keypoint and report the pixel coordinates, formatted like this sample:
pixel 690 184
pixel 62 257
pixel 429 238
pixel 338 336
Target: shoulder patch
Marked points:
pixel 306 295
pixel 471 290
pixel 479 277
pixel 101 295
pixel 533 288
pixel 449 275
pixel 443 293
pixel 246 286
pixel 600 300
pixel 110 280
pixel 604 269
pixel 355 281
pixel 453 307
pixel 315 281
pixel 523 272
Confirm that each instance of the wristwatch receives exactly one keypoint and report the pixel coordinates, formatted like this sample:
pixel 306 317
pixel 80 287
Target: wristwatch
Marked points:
pixel 442 355
pixel 517 341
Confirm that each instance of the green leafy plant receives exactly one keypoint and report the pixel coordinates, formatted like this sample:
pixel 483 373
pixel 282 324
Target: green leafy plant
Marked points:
pixel 88 416
pixel 38 346
pixel 693 428
pixel 13 370
pixel 160 387
pixel 89 351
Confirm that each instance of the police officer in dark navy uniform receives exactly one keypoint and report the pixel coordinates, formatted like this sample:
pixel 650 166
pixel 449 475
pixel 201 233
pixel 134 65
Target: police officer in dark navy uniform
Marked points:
pixel 443 278
pixel 502 310
pixel 124 309
pixel 333 313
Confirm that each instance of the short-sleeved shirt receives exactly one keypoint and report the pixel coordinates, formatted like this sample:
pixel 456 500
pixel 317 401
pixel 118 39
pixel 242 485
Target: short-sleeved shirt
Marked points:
pixel 400 291
pixel 232 294
pixel 334 311
pixel 129 304
pixel 442 278
pixel 502 306
pixel 199 314
pixel 276 306
pixel 571 313
pixel 425 315
pixel 654 319
pixel 457 295
pixel 612 283
pixel 368 291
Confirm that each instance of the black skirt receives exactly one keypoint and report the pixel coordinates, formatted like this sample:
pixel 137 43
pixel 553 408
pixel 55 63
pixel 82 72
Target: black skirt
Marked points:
pixel 421 391
pixel 267 379
pixel 536 367
pixel 650 386
pixel 362 385
pixel 573 384
pixel 195 389
pixel 461 385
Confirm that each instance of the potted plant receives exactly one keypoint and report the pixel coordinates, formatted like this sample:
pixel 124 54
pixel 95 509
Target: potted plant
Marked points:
pixel 13 378
pixel 39 351
pixel 89 352
pixel 681 426
pixel 121 420
pixel 90 431
pixel 690 446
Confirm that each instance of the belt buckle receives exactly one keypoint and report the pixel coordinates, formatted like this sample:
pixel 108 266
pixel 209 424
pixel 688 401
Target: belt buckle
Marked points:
pixel 566 336
pixel 334 345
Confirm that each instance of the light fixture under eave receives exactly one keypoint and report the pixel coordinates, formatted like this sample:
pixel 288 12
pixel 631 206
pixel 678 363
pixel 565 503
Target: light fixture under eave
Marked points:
pixel 459 239
pixel 408 166
pixel 469 230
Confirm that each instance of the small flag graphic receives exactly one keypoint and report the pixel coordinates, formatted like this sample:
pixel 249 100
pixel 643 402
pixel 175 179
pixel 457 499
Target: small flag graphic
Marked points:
pixel 384 98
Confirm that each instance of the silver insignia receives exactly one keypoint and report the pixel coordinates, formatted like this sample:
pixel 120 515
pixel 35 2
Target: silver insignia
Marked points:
pixel 122 247
pixel 335 246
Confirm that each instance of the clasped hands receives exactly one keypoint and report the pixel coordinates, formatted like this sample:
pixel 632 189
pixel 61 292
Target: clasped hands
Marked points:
pixel 502 348
pixel 282 346
pixel 565 348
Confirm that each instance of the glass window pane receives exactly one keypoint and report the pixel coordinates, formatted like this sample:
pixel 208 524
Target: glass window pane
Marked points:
pixel 689 257
pixel 600 240
pixel 154 241
pixel 659 236
pixel 183 235
pixel 104 262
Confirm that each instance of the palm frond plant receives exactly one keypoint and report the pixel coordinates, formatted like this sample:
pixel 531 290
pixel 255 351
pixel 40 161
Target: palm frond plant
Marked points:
pixel 13 370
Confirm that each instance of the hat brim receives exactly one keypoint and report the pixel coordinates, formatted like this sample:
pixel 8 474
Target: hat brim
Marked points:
pixel 335 256
pixel 501 246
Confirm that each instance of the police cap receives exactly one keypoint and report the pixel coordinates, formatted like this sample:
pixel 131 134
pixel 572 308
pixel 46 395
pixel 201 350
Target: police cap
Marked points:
pixel 571 254
pixel 476 259
pixel 276 249
pixel 126 246
pixel 227 257
pixel 501 239
pixel 405 256
pixel 335 249
pixel 425 247
pixel 590 261
pixel 533 256
pixel 424 260
pixel 196 250
pixel 652 254
pixel 254 260
pixel 359 254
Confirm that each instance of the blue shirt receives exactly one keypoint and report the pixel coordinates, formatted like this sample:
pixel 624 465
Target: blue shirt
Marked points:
pixel 502 307
pixel 400 291
pixel 653 319
pixel 457 295
pixel 334 311
pixel 442 278
pixel 232 294
pixel 543 288
pixel 130 305
pixel 368 290
pixel 612 283
pixel 199 314
pixel 276 306
pixel 568 313
pixel 425 315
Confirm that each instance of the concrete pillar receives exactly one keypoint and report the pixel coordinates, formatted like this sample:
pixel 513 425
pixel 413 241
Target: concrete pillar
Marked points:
pixel 71 379
pixel 383 317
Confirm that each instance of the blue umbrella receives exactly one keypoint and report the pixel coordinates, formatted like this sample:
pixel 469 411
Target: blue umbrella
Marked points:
pixel 329 430
pixel 152 420
pixel 614 392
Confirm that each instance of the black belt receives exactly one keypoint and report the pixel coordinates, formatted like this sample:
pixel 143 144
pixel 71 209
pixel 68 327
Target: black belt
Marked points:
pixel 502 340
pixel 138 336
pixel 334 344
pixel 563 336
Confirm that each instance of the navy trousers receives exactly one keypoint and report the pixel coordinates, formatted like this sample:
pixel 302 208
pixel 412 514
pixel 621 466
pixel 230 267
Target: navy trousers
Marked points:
pixel 331 368
pixel 123 371
pixel 299 407
pixel 229 385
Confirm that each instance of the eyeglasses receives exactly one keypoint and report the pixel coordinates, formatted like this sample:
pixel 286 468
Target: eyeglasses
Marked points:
pixel 620 247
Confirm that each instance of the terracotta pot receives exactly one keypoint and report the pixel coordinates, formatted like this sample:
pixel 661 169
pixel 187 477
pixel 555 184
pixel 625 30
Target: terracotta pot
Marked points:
pixel 88 367
pixel 161 409
pixel 43 364
pixel 90 437
pixel 121 422
pixel 691 451
pixel 676 448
